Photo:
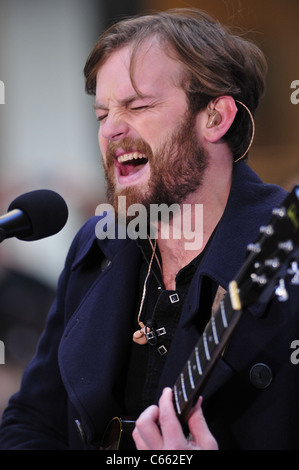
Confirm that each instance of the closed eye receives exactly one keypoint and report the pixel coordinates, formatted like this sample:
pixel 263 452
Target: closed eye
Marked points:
pixel 138 108
pixel 101 118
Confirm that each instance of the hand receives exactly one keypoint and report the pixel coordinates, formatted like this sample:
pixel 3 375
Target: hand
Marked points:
pixel 158 428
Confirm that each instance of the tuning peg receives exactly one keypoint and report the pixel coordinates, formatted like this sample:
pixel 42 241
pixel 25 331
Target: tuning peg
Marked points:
pixel 294 271
pixel 260 280
pixel 281 212
pixel 267 230
pixel 287 246
pixel 254 247
pixel 272 263
pixel 281 292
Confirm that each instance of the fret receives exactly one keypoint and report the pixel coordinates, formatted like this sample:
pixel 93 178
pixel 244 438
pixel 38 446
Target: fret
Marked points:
pixel 206 347
pixel 214 329
pixel 223 314
pixel 176 398
pixel 198 364
pixel 184 388
pixel 190 375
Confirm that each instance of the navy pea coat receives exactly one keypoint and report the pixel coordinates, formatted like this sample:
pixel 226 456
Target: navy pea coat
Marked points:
pixel 73 381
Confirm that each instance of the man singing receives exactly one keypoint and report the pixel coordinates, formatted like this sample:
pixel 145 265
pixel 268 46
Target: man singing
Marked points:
pixel 175 95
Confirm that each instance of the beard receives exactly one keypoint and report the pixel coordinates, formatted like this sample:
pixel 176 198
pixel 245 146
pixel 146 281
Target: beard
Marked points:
pixel 177 168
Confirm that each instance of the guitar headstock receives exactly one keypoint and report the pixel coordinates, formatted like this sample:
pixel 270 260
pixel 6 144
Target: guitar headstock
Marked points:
pixel 273 256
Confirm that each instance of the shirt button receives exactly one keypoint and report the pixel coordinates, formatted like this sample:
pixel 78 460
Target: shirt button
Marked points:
pixel 174 298
pixel 261 376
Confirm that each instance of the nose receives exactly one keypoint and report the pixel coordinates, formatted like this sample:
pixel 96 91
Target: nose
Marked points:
pixel 114 128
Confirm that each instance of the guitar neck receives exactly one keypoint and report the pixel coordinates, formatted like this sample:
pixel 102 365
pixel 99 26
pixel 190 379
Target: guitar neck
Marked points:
pixel 207 351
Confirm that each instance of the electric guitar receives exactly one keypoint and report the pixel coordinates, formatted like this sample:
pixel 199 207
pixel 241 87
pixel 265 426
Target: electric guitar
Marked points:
pixel 269 261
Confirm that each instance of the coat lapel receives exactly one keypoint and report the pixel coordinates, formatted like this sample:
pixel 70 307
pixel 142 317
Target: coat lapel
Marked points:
pixel 96 340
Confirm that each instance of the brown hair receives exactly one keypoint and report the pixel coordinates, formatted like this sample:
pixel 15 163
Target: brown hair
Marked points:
pixel 216 61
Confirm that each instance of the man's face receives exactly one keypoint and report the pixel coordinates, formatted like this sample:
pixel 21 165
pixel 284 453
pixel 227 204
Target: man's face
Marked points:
pixel 148 141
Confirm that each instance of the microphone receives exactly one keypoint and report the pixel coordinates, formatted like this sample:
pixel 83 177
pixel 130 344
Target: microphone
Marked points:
pixel 34 215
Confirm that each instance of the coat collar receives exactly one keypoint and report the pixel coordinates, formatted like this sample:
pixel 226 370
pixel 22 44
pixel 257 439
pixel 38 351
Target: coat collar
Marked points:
pixel 249 206
pixel 108 247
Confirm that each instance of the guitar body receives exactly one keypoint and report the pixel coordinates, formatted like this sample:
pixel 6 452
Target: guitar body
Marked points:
pixel 118 435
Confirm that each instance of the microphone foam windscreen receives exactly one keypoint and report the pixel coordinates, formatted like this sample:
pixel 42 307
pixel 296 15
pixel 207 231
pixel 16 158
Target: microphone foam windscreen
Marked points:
pixel 46 210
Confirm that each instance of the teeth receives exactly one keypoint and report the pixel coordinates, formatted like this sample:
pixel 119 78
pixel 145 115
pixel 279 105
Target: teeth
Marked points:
pixel 126 157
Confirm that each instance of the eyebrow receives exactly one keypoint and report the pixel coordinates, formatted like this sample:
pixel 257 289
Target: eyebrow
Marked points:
pixel 124 102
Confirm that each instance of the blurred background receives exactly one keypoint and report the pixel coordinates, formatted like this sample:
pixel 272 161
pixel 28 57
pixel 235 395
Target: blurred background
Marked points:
pixel 48 132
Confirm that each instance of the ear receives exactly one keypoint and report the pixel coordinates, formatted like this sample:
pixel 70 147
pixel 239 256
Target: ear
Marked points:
pixel 218 118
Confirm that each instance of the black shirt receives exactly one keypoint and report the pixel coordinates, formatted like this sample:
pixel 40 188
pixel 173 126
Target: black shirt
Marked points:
pixel 161 312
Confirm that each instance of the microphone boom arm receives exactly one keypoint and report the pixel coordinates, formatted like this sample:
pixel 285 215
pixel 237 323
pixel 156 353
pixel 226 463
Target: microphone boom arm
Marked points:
pixel 7 223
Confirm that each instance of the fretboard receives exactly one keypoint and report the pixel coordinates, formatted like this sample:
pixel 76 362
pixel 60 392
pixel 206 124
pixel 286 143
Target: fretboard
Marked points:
pixel 208 349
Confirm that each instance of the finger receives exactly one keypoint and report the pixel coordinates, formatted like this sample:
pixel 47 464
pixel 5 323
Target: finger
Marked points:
pixel 171 429
pixel 146 434
pixel 139 442
pixel 199 429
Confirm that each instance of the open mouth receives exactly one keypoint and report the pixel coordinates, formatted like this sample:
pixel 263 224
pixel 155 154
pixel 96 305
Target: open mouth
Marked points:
pixel 130 163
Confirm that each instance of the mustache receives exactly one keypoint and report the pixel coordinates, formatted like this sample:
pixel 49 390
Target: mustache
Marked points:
pixel 128 144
